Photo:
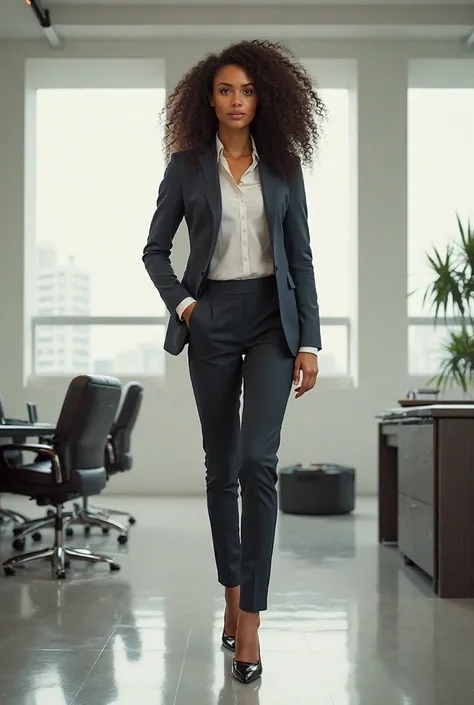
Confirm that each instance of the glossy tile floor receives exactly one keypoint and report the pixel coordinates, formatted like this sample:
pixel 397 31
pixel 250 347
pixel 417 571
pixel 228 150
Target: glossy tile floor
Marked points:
pixel 348 624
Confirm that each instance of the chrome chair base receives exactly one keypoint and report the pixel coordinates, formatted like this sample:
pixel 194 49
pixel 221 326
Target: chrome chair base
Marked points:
pixel 96 516
pixel 106 512
pixel 89 518
pixel 79 516
pixel 13 516
pixel 59 556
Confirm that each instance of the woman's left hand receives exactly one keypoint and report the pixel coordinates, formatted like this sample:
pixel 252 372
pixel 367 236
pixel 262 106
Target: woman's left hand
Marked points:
pixel 306 370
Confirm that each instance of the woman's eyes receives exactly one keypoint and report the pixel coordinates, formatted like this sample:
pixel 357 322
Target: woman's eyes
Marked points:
pixel 247 92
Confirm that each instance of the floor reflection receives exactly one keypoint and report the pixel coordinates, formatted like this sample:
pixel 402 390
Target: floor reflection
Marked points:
pixel 348 623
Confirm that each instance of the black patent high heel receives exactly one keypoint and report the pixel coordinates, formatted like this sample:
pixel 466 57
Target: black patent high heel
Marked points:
pixel 228 641
pixel 246 672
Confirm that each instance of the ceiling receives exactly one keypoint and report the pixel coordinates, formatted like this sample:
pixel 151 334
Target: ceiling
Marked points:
pixel 128 19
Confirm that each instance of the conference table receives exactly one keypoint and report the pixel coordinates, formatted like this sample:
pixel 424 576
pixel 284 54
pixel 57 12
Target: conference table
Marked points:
pixel 33 430
pixel 20 433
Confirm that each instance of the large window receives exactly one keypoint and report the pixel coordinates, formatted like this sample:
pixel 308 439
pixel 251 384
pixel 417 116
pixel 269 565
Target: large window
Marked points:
pixel 329 206
pixel 440 184
pixel 98 164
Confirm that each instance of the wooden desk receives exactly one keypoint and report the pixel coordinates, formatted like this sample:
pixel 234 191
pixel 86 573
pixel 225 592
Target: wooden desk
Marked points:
pixel 426 491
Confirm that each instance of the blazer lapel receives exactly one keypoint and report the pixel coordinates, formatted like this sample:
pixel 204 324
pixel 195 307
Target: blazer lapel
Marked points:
pixel 270 189
pixel 210 173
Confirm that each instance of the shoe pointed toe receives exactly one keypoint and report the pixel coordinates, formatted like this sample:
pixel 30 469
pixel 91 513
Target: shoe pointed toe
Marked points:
pixel 246 672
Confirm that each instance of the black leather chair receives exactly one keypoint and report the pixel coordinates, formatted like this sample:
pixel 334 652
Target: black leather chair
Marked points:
pixel 118 457
pixel 71 467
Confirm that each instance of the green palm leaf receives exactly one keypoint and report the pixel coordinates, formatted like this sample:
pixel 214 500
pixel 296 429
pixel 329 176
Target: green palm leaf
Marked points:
pixel 452 293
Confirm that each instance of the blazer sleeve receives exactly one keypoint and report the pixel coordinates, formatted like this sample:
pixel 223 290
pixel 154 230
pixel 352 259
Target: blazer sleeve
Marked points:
pixel 165 222
pixel 300 259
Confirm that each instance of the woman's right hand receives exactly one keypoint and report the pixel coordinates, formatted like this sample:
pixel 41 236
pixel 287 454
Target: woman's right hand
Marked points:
pixel 187 313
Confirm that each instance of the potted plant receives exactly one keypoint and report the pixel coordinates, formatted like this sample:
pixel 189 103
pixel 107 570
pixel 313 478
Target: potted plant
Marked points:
pixel 451 294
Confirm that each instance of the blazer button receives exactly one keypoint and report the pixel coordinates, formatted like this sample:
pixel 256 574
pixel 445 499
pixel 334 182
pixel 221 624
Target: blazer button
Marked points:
pixel 276 269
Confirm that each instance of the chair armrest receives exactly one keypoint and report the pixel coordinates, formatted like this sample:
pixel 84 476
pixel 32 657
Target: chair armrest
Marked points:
pixel 38 448
pixel 110 451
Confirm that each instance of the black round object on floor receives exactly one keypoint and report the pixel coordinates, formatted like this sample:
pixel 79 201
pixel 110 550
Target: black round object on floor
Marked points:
pixel 317 489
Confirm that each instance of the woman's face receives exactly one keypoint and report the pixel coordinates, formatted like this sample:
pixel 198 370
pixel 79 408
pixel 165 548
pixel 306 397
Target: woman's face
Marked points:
pixel 233 97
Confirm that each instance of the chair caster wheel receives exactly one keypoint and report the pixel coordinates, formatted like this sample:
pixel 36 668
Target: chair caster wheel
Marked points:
pixel 50 513
pixel 61 574
pixel 17 530
pixel 9 570
pixel 69 531
pixel 114 566
pixel 132 521
pixel 19 544
pixel 122 539
pixel 106 531
pixel 87 531
pixel 36 536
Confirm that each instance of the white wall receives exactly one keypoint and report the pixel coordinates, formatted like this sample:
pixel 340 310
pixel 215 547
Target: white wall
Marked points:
pixel 333 423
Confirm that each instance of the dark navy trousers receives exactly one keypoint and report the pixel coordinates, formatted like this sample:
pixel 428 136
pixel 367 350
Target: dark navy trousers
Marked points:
pixel 238 353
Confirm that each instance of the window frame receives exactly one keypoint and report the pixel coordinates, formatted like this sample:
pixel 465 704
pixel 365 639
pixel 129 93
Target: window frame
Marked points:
pixel 330 74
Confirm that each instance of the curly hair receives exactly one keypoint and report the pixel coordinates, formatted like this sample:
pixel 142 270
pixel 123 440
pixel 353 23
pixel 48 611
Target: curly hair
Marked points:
pixel 282 86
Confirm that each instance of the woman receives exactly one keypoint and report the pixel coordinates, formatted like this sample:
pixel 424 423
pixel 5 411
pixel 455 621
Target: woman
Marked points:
pixel 238 126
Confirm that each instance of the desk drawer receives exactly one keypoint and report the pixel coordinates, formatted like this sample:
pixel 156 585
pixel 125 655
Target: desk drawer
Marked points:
pixel 406 527
pixel 416 461
pixel 415 532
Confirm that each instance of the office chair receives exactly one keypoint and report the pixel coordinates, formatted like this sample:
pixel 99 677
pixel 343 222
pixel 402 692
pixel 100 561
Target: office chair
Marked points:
pixel 117 459
pixel 71 467
pixel 117 452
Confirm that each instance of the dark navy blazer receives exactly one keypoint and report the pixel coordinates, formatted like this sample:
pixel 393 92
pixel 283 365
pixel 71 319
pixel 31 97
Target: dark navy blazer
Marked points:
pixel 191 189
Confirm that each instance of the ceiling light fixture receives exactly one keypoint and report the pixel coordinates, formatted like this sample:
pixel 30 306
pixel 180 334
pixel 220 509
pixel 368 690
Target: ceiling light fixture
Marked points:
pixel 44 19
